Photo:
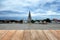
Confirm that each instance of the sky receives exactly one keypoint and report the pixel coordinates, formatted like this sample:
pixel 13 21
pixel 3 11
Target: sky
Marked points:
pixel 39 9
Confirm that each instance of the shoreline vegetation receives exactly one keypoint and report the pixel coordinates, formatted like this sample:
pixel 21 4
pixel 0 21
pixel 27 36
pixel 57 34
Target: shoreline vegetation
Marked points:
pixel 44 21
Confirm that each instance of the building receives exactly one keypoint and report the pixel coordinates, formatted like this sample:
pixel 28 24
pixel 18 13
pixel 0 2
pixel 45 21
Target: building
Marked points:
pixel 29 17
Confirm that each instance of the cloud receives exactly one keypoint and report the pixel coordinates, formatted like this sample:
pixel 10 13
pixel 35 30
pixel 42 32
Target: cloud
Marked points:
pixel 37 7
pixel 53 6
pixel 45 14
pixel 19 4
pixel 22 4
pixel 13 15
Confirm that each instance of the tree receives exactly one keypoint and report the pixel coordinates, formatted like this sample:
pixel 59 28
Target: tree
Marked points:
pixel 21 21
pixel 32 21
pixel 48 20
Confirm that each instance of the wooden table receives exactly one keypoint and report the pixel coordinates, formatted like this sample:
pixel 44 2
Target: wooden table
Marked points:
pixel 29 34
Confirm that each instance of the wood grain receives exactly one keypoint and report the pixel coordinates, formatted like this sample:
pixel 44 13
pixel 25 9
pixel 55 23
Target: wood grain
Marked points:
pixel 29 34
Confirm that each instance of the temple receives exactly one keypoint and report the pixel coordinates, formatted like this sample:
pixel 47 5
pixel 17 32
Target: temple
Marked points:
pixel 29 17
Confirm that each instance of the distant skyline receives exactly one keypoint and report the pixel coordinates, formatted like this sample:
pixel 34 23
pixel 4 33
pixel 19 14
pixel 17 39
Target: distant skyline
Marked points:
pixel 19 9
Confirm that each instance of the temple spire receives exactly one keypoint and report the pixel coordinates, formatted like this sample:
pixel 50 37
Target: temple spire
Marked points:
pixel 29 17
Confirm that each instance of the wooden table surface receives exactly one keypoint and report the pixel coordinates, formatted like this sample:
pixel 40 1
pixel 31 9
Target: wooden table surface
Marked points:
pixel 29 34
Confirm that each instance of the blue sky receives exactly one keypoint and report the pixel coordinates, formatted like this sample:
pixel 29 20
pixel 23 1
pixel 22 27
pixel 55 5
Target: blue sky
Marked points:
pixel 39 9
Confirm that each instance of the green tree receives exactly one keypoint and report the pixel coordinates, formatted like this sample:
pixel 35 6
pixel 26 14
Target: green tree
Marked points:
pixel 32 21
